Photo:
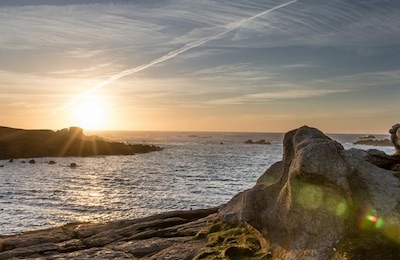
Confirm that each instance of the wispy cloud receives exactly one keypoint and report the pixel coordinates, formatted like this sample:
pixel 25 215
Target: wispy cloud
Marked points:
pixel 175 22
pixel 327 23
pixel 362 81
pixel 273 96
pixel 93 68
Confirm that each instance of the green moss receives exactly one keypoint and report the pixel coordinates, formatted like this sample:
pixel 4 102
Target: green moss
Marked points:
pixel 229 242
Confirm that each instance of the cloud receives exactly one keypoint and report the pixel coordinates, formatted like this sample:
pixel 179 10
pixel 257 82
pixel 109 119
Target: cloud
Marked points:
pixel 362 81
pixel 274 96
pixel 172 54
pixel 327 23
pixel 123 24
pixel 83 26
pixel 98 71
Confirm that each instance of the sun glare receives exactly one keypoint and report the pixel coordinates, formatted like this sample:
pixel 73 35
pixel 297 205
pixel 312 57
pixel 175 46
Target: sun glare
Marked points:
pixel 90 114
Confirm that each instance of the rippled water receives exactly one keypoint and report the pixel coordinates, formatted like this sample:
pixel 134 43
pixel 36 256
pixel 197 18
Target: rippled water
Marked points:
pixel 195 170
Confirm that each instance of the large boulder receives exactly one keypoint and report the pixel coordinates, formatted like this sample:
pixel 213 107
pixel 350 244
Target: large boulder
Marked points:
pixel 322 202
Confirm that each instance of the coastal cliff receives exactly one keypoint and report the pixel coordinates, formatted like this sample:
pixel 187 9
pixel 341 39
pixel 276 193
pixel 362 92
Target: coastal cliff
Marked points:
pixel 320 202
pixel 19 143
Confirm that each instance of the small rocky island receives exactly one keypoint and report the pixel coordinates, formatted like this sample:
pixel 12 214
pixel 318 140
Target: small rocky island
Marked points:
pixel 19 143
pixel 374 142
pixel 262 141
pixel 320 202
pixel 371 140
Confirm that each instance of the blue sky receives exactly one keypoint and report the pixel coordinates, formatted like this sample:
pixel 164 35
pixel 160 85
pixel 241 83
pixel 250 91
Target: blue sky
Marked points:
pixel 332 64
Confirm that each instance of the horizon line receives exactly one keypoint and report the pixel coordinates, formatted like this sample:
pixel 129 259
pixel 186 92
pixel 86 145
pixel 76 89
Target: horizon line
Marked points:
pixel 196 131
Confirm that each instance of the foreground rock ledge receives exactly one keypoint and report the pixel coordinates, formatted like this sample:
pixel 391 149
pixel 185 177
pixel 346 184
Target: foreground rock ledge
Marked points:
pixel 319 202
pixel 156 237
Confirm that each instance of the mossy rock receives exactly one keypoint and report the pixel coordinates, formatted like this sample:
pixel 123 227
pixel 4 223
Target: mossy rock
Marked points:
pixel 225 241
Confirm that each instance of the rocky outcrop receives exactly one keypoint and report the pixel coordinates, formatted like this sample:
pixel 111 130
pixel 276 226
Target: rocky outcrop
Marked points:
pixel 18 143
pixel 384 142
pixel 169 235
pixel 262 141
pixel 395 137
pixel 382 160
pixel 322 202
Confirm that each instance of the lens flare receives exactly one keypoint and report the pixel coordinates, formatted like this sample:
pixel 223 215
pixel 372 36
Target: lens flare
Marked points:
pixel 392 231
pixel 336 204
pixel 341 209
pixel 310 196
pixel 370 220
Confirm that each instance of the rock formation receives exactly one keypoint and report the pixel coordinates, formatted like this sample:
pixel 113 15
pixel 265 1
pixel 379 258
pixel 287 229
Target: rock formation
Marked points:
pixel 262 141
pixel 156 237
pixel 19 143
pixel 327 203
pixel 384 142
pixel 395 137
pixel 382 160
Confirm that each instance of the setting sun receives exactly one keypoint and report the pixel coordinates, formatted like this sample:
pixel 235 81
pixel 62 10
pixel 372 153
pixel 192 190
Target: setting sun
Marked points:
pixel 90 113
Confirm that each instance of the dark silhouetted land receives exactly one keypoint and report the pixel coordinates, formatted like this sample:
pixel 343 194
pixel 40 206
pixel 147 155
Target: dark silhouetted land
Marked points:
pixel 20 143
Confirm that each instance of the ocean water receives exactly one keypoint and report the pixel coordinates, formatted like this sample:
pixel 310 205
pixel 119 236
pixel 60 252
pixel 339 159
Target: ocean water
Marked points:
pixel 195 170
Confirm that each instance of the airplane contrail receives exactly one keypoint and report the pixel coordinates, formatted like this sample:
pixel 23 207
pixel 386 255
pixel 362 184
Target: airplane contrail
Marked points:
pixel 174 53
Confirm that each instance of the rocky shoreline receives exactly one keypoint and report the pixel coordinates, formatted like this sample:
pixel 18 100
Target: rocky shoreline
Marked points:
pixel 155 236
pixel 320 202
pixel 20 143
pixel 192 234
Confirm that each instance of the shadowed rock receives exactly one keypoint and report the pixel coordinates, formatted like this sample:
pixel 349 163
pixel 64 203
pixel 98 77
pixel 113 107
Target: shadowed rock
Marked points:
pixel 170 234
pixel 384 142
pixel 381 159
pixel 262 141
pixel 18 143
pixel 395 137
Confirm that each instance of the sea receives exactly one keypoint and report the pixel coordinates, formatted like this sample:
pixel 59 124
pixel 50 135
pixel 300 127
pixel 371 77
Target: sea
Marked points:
pixel 195 170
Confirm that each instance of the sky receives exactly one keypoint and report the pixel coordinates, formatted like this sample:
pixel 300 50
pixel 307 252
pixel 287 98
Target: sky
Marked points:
pixel 200 65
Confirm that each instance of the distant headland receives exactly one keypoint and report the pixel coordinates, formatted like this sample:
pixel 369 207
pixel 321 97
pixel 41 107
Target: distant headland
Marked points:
pixel 20 143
